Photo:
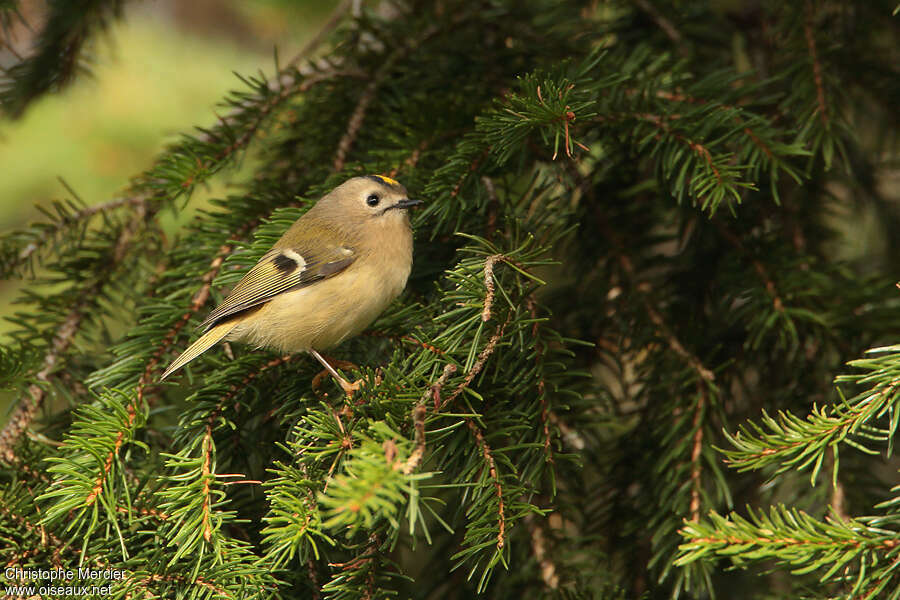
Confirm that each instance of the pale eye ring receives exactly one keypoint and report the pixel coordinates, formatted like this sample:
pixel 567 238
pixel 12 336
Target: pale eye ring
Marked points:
pixel 373 200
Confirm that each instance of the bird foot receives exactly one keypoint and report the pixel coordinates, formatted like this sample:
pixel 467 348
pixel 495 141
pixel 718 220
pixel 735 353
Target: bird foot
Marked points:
pixel 331 364
pixel 351 388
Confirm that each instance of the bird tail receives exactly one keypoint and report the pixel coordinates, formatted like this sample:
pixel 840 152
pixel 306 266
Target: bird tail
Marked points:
pixel 206 341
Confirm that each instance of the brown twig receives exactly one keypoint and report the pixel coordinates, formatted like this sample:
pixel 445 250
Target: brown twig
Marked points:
pixel 696 452
pixel 238 387
pixel 418 453
pixel 205 475
pixel 655 317
pixel 540 348
pixel 809 30
pixel 479 362
pixel 120 439
pixel 489 285
pixel 354 124
pixel 492 471
pixel 888 544
pixel 434 390
pixel 425 345
pixel 314 579
pixel 473 166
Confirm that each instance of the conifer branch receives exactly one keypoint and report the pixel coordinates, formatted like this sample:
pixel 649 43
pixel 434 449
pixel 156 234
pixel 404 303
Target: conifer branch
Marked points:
pixel 835 548
pixel 57 55
pixel 796 443
pixel 355 122
pixel 434 390
pixel 111 455
pixel 28 407
pixel 63 337
pixel 198 301
pixel 39 235
pixel 682 97
pixel 697 148
pixel 507 380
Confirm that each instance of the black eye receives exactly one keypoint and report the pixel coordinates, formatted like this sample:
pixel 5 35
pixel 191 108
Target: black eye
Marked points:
pixel 373 200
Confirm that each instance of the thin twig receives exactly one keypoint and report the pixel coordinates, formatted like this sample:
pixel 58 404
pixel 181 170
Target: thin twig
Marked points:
pixel 120 439
pixel 434 390
pixel 418 453
pixel 314 579
pixel 489 285
pixel 696 452
pixel 354 124
pixel 205 475
pixel 492 471
pixel 809 30
pixel 540 348
pixel 479 362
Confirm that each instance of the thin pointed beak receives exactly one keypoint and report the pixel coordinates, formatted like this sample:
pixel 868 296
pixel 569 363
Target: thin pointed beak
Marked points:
pixel 407 203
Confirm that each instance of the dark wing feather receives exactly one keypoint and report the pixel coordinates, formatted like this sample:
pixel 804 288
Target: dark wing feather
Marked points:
pixel 273 275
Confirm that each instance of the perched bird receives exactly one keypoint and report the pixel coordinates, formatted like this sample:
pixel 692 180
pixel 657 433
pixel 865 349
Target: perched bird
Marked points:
pixel 328 277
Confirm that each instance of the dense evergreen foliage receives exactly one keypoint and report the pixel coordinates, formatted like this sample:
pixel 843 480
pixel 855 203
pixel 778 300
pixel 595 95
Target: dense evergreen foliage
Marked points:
pixel 639 346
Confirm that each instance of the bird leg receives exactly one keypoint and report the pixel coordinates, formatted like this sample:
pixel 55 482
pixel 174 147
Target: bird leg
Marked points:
pixel 348 388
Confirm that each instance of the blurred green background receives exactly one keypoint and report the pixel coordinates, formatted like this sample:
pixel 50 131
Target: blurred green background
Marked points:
pixel 155 73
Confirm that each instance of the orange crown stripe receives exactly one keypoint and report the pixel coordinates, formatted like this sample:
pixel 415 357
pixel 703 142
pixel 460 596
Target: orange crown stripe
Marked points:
pixel 387 180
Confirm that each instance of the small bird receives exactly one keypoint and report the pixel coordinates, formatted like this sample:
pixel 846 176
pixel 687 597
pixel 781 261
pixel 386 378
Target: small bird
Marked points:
pixel 328 277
